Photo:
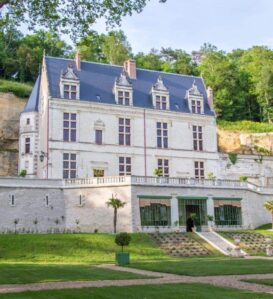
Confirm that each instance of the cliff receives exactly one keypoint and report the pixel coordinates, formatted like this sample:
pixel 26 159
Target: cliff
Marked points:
pixel 10 107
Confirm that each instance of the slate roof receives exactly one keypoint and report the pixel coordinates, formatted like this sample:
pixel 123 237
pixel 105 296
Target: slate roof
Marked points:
pixel 33 101
pixel 97 81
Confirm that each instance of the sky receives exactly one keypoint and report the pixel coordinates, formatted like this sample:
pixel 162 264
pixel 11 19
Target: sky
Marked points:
pixel 187 24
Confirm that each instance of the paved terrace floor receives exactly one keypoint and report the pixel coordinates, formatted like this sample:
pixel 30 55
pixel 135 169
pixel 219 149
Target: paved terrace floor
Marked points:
pixel 231 281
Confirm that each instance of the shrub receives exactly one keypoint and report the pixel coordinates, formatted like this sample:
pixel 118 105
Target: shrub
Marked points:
pixel 245 126
pixel 232 158
pixel 23 173
pixel 243 178
pixel 123 239
pixel 211 176
pixel 19 89
pixel 158 172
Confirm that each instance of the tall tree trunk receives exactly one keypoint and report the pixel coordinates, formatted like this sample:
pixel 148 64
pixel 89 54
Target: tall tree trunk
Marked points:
pixel 115 221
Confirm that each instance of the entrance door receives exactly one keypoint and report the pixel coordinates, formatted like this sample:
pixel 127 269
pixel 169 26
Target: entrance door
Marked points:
pixel 194 212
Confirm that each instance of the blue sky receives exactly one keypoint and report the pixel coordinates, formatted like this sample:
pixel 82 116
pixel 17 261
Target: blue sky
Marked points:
pixel 187 24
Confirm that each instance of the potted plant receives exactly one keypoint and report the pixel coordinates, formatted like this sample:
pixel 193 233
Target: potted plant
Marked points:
pixel 122 258
pixel 176 224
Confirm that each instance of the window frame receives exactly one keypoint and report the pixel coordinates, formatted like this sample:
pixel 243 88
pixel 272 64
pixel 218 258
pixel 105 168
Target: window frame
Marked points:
pixel 69 89
pixel 71 168
pixel 162 138
pixel 161 101
pixel 124 131
pixel 27 145
pixel 125 162
pixel 164 166
pixel 197 135
pixel 199 170
pixel 69 127
pixel 98 137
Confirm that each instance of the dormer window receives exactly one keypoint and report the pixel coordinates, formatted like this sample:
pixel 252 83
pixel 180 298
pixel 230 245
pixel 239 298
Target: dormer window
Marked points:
pixel 195 100
pixel 123 90
pixel 70 92
pixel 123 97
pixel 160 95
pixel 69 84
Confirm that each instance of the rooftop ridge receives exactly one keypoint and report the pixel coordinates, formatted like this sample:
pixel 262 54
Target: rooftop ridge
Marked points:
pixel 120 66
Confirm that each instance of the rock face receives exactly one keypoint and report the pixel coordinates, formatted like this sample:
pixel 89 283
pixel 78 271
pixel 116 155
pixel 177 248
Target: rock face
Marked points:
pixel 10 107
pixel 245 143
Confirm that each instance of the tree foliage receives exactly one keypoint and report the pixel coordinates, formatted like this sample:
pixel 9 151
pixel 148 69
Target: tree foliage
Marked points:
pixel 73 17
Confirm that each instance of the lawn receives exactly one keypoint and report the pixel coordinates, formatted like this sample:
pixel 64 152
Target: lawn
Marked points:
pixel 208 266
pixel 166 291
pixel 34 273
pixel 74 248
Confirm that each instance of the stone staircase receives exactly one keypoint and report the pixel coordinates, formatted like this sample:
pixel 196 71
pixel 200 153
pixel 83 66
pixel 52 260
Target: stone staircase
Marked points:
pixel 220 243
pixel 179 244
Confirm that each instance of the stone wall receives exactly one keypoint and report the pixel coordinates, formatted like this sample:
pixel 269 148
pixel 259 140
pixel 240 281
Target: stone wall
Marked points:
pixel 10 107
pixel 57 206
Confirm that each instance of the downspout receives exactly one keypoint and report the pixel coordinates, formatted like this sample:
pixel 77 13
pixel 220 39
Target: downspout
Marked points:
pixel 145 147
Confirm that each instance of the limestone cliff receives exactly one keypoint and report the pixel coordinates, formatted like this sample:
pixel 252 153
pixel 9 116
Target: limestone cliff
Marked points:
pixel 245 143
pixel 10 107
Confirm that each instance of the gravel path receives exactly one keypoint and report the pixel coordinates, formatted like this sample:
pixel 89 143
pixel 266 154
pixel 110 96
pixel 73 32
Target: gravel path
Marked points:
pixel 233 281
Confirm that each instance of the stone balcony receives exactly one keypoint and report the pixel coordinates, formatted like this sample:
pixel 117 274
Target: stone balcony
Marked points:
pixel 132 180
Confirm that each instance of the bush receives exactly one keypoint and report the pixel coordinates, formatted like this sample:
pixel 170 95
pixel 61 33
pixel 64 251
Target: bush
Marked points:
pixel 245 126
pixel 123 239
pixel 243 178
pixel 23 173
pixel 22 90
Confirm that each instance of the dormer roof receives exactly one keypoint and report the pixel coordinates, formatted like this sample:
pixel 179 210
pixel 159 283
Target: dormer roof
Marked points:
pixel 69 74
pixel 194 90
pixel 123 79
pixel 159 85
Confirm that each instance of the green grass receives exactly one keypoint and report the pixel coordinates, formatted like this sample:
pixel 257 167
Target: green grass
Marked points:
pixel 208 266
pixel 22 90
pixel 74 248
pixel 267 282
pixel 264 227
pixel 34 273
pixel 245 126
pixel 166 291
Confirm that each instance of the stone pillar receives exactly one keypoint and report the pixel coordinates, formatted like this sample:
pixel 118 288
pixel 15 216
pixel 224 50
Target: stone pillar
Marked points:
pixel 210 206
pixel 174 209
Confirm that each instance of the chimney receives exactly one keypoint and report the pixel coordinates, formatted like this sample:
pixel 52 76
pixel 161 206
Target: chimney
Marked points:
pixel 210 97
pixel 130 68
pixel 78 60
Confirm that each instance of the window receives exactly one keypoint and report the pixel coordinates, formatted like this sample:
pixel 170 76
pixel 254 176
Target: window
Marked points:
pixel 70 92
pixel 161 102
pixel 199 172
pixel 124 131
pixel 196 106
pixel 97 173
pixel 155 212
pixel 46 201
pixel 27 145
pixel 124 98
pixel 80 200
pixel 98 136
pixel 125 167
pixel 69 126
pixel 12 201
pixel 28 121
pixel 228 212
pixel 69 166
pixel 162 134
pixel 163 165
pixel 197 132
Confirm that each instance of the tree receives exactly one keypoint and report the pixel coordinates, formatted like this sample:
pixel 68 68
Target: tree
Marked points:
pixel 123 239
pixel 269 206
pixel 116 47
pixel 75 17
pixel 116 204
